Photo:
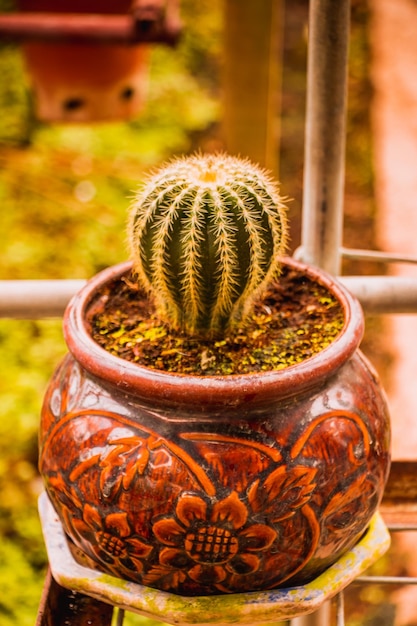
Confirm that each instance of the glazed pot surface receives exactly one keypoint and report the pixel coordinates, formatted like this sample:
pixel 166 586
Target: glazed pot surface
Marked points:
pixel 214 486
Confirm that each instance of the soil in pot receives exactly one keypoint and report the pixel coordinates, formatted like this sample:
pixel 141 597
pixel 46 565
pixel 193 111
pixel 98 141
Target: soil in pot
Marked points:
pixel 296 319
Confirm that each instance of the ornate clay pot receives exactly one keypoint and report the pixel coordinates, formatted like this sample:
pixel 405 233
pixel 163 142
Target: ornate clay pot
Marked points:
pixel 82 82
pixel 210 485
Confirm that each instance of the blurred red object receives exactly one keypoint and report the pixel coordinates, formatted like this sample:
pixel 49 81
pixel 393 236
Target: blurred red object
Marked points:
pixel 85 82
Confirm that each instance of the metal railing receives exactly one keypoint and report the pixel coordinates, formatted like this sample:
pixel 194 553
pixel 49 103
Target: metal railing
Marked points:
pixel 38 299
pixel 329 28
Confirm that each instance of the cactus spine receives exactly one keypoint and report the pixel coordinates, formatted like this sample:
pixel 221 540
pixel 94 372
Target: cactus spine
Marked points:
pixel 206 234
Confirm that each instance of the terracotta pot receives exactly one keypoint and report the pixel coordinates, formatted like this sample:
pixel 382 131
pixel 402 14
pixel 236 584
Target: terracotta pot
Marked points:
pixel 210 485
pixel 75 82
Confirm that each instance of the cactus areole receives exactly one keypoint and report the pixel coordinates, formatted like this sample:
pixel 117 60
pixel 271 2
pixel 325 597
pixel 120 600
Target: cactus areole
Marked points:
pixel 212 484
pixel 206 235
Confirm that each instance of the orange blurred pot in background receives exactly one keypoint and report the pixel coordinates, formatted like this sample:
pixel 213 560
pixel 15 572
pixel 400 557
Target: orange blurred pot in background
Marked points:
pixel 85 82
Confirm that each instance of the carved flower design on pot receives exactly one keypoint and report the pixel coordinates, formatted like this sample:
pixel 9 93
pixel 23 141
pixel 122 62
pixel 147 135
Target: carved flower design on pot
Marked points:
pixel 210 541
pixel 125 458
pixel 181 513
pixel 344 510
pixel 110 539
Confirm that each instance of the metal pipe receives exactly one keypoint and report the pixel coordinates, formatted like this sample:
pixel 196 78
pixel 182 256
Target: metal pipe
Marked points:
pixel 384 294
pixel 120 617
pixel 36 299
pixel 325 132
pixel 377 256
pixel 340 609
pixel 387 580
pixel 321 617
pixel 88 28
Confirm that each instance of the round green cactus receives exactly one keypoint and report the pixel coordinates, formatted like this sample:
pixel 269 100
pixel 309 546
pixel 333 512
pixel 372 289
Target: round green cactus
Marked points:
pixel 206 235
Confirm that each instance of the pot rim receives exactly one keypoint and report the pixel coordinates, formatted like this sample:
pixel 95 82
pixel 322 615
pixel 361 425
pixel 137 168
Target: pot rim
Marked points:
pixel 232 390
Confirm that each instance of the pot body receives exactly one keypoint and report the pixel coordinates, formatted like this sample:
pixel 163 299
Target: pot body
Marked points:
pixel 213 486
pixel 81 82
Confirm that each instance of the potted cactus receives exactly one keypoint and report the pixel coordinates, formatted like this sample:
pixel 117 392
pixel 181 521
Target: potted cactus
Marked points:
pixel 214 428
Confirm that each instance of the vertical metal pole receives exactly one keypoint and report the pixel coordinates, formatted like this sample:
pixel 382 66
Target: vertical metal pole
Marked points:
pixel 324 154
pixel 325 132
pixel 340 609
pixel 319 618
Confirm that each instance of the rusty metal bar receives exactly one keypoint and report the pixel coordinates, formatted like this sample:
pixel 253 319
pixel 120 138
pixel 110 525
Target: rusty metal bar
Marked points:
pixel 138 27
pixel 63 607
